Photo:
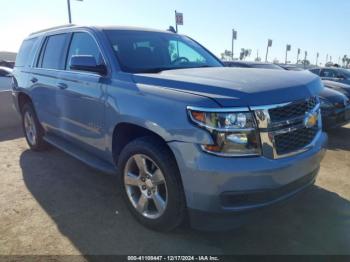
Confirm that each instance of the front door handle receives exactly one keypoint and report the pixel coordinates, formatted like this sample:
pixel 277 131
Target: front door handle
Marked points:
pixel 34 80
pixel 62 86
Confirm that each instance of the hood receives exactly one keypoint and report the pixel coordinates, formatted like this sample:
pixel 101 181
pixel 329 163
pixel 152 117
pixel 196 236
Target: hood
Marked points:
pixel 342 88
pixel 232 87
pixel 333 96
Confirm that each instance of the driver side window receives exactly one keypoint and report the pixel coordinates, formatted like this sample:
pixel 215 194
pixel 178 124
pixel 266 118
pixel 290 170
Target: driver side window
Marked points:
pixel 179 49
pixel 83 44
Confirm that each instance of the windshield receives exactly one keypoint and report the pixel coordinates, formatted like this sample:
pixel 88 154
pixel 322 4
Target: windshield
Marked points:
pixel 152 52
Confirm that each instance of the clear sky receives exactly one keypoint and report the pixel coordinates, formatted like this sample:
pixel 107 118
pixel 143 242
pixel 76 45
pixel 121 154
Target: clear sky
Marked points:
pixel 313 25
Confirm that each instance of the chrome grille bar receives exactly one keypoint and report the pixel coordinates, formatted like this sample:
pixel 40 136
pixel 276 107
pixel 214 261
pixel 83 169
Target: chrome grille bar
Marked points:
pixel 269 129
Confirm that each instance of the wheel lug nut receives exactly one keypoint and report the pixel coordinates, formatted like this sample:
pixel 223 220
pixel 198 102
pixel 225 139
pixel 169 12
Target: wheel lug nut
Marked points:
pixel 149 192
pixel 143 187
pixel 143 179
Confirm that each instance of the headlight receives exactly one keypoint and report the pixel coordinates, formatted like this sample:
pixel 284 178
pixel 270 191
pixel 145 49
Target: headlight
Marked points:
pixel 233 131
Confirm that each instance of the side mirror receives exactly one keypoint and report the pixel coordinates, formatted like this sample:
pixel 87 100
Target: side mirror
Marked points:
pixel 86 63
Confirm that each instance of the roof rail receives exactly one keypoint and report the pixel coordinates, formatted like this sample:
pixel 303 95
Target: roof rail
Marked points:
pixel 52 28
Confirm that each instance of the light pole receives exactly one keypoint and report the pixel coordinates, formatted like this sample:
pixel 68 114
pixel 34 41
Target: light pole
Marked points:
pixel 234 37
pixel 298 55
pixel 317 55
pixel 269 44
pixel 288 48
pixel 69 12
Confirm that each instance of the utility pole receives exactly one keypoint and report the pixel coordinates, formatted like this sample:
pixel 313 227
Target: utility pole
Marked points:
pixel 234 37
pixel 317 55
pixel 288 48
pixel 69 12
pixel 326 59
pixel 298 55
pixel 269 44
pixel 179 20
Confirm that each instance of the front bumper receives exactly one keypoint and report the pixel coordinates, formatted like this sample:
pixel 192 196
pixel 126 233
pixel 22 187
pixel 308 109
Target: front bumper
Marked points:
pixel 219 185
pixel 336 117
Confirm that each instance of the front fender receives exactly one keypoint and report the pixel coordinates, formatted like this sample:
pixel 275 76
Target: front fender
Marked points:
pixel 160 110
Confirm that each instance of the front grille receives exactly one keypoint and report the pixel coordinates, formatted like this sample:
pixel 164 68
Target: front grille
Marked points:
pixel 285 130
pixel 293 141
pixel 292 110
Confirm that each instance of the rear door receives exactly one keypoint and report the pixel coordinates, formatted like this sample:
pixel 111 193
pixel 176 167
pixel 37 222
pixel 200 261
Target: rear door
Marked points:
pixel 82 97
pixel 44 83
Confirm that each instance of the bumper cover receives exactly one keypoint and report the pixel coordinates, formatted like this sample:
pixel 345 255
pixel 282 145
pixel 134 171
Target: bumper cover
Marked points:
pixel 336 118
pixel 252 182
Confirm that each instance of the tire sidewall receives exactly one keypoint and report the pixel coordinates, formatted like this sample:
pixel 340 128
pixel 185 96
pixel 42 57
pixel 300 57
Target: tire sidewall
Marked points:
pixel 173 214
pixel 29 108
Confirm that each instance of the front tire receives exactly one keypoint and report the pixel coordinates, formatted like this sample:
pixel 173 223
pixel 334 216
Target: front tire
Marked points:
pixel 151 184
pixel 32 129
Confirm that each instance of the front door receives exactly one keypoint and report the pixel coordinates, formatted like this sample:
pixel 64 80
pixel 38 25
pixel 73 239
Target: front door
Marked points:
pixel 82 97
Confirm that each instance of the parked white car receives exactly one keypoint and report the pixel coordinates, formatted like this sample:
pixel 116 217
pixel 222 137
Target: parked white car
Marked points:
pixel 5 78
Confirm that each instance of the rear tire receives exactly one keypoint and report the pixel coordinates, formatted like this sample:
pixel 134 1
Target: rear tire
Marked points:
pixel 151 184
pixel 32 129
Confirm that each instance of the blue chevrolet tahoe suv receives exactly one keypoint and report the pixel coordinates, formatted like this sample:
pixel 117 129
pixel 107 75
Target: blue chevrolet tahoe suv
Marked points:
pixel 186 136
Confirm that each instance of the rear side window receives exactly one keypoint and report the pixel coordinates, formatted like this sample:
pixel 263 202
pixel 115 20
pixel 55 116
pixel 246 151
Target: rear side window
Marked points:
pixel 83 44
pixel 52 56
pixel 26 53
pixel 328 73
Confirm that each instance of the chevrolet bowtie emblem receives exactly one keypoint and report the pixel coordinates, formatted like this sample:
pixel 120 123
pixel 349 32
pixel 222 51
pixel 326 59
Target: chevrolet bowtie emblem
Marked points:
pixel 311 119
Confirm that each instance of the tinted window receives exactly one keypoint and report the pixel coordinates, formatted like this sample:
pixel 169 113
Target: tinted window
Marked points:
pixel 344 73
pixel 83 44
pixel 180 50
pixel 139 51
pixel 53 54
pixel 315 71
pixel 328 73
pixel 25 53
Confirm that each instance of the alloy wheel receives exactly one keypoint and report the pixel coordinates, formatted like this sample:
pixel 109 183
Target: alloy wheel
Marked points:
pixel 145 186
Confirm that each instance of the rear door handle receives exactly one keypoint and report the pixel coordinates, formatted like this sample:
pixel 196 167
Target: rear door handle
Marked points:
pixel 62 86
pixel 34 80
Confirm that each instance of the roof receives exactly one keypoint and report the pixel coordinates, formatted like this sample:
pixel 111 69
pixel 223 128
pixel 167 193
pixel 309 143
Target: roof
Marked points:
pixel 73 26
